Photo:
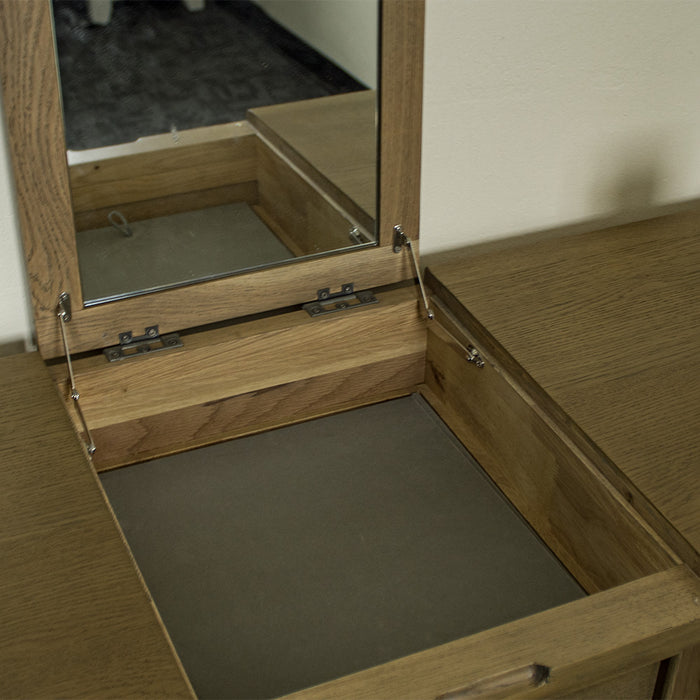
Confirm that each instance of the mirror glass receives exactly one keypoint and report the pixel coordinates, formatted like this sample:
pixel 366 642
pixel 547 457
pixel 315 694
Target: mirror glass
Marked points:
pixel 210 137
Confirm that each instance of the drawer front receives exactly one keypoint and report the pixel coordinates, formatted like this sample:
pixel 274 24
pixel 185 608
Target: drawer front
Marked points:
pixel 593 645
pixel 639 684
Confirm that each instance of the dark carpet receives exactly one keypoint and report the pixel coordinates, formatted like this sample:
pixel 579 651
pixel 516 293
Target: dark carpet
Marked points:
pixel 157 67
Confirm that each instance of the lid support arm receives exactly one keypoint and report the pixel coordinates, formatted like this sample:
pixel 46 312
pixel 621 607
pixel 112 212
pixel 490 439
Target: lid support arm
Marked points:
pixel 63 312
pixel 401 240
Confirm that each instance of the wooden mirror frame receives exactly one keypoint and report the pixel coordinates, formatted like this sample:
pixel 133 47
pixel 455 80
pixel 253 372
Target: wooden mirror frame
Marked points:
pixel 32 105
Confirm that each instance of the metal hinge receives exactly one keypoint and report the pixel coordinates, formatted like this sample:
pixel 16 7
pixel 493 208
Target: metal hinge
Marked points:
pixel 474 356
pixel 150 341
pixel 346 299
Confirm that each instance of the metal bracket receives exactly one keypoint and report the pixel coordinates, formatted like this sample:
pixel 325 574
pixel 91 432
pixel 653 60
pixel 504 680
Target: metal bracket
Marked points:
pixel 345 299
pixel 63 313
pixel 474 356
pixel 150 341
pixel 64 308
pixel 401 240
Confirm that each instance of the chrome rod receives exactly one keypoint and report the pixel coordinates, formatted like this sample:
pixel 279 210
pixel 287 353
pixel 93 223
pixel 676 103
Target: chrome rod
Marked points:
pixel 400 240
pixel 64 315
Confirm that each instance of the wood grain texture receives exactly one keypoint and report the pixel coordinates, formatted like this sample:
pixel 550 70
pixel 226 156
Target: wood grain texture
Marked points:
pixel 29 88
pixel 75 617
pixel 229 297
pixel 223 419
pixel 31 103
pixel 400 110
pixel 309 221
pixel 604 328
pixel 171 204
pixel 584 643
pixel 588 526
pixel 333 141
pixel 249 358
pixel 122 175
pixel 683 681
pixel 638 684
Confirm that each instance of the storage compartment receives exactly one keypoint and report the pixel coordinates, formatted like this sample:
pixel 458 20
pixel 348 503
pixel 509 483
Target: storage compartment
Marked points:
pixel 78 619
pixel 289 558
pixel 531 645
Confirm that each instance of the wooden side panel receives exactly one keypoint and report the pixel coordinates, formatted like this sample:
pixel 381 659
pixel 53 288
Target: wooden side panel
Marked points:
pixel 32 107
pixel 401 100
pixel 587 524
pixel 255 411
pixel 302 216
pixel 683 681
pixel 123 177
pixel 333 141
pixel 251 376
pixel 582 644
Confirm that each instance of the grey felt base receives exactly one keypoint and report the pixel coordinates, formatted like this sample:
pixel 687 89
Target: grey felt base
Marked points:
pixel 285 559
pixel 174 249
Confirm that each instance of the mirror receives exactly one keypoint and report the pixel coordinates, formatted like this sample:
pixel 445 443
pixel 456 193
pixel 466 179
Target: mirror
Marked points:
pixel 32 107
pixel 207 138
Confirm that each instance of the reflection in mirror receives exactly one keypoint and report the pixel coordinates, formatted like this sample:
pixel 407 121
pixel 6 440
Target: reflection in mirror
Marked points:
pixel 209 137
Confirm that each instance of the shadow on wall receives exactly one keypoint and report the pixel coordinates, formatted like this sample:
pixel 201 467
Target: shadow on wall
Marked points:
pixel 638 212
pixel 636 175
pixel 632 188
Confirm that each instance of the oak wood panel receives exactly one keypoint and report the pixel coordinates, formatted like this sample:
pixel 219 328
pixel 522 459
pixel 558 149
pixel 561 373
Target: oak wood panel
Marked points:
pixel 76 619
pixel 683 681
pixel 333 140
pixel 585 522
pixel 638 684
pixel 32 107
pixel 173 204
pixel 230 297
pixel 604 328
pixel 292 204
pixel 248 357
pixel 29 83
pixel 275 406
pixel 583 643
pixel 180 167
pixel 400 111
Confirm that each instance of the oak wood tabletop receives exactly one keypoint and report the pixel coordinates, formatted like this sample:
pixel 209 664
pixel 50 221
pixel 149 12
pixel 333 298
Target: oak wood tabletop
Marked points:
pixel 75 617
pixel 605 329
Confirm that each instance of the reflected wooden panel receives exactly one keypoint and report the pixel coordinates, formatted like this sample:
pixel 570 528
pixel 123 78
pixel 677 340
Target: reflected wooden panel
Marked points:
pixel 294 204
pixel 333 141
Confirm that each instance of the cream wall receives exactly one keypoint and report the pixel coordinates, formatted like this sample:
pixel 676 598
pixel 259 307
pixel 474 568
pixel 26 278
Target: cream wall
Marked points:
pixel 543 112
pixel 343 30
pixel 15 308
pixel 537 113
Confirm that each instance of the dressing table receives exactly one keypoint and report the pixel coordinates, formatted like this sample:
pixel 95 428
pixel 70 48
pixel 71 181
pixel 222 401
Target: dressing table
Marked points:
pixel 538 356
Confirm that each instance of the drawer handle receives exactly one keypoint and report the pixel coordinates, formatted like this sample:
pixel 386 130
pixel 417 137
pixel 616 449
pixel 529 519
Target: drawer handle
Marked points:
pixel 501 685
